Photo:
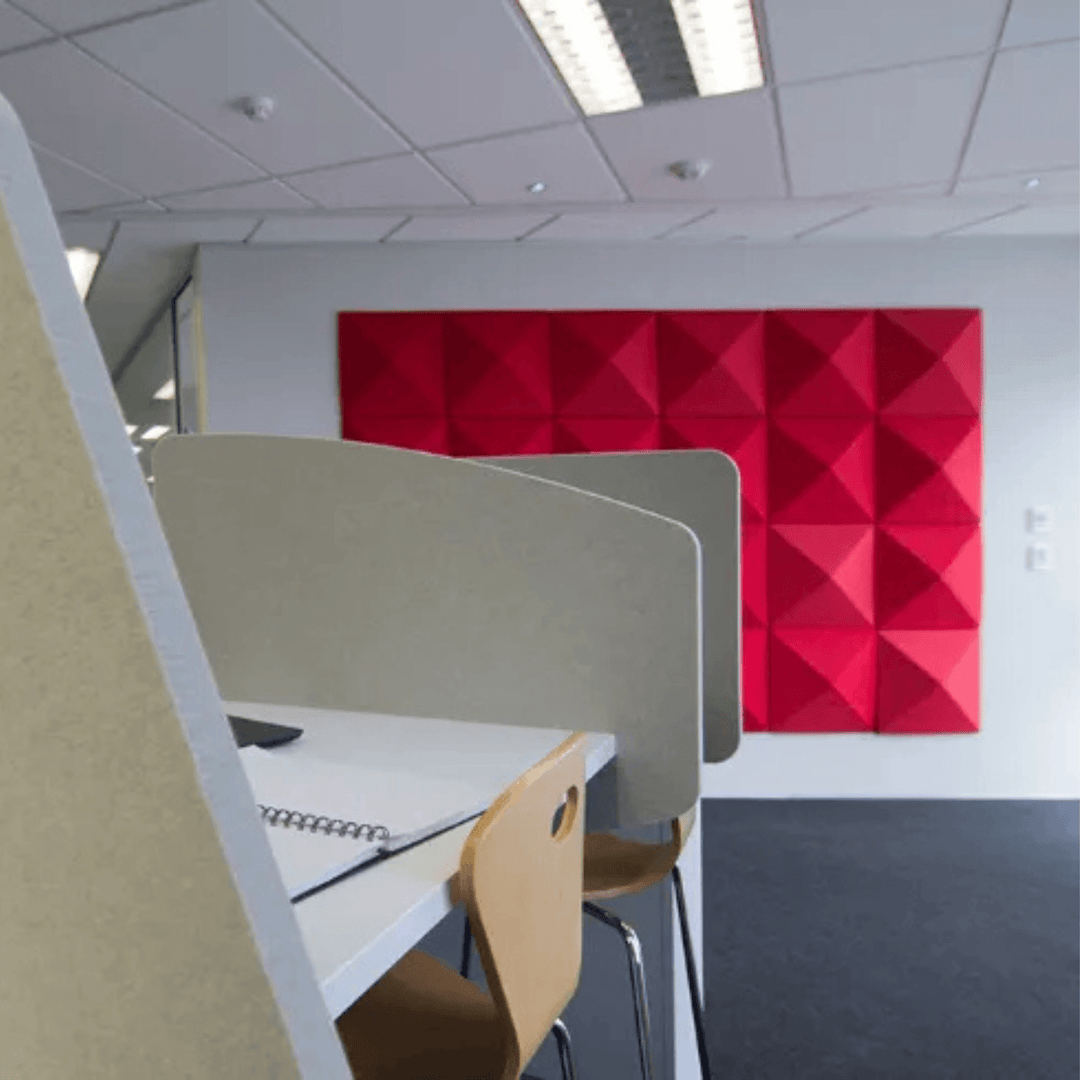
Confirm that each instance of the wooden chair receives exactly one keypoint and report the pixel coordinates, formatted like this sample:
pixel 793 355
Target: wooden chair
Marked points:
pixel 520 880
pixel 616 867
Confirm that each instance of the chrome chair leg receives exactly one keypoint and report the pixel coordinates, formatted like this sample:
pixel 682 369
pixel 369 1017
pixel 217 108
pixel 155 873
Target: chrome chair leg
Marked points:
pixel 637 981
pixel 466 948
pixel 566 1060
pixel 691 976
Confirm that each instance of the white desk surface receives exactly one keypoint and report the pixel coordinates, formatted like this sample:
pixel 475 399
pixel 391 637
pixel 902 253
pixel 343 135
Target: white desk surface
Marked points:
pixel 358 928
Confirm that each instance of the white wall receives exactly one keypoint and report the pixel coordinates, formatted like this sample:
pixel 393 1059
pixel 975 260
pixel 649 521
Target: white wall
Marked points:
pixel 270 339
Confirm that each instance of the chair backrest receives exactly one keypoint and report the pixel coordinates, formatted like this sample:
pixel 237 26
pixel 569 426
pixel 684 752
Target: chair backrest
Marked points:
pixel 521 881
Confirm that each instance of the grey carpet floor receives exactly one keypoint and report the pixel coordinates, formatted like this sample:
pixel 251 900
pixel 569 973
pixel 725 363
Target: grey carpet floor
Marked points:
pixel 892 940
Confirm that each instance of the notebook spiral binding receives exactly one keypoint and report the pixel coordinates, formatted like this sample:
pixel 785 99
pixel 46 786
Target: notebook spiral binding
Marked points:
pixel 293 819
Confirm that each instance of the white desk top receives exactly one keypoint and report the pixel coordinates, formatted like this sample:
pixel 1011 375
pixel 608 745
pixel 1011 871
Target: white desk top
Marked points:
pixel 357 929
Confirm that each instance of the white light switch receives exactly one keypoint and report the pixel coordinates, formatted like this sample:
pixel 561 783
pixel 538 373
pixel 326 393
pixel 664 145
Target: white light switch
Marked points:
pixel 1038 557
pixel 1039 519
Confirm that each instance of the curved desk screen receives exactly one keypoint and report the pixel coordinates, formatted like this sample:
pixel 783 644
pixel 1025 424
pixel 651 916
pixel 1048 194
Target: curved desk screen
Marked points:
pixel 700 488
pixel 366 578
pixel 144 930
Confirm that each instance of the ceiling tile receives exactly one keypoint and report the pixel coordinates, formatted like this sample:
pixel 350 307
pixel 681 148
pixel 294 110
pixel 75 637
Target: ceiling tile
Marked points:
pixel 473 226
pixel 1032 21
pixel 812 40
pixel 764 221
pixel 736 132
pixel 321 230
pixel 636 224
pixel 499 170
pixel 65 15
pixel 17 29
pixel 261 195
pixel 406 180
pixel 74 107
pixel 440 72
pixel 1030 113
pixel 88 234
pixel 1048 219
pixel 912 220
pixel 239 50
pixel 1051 182
pixel 72 188
pixel 886 129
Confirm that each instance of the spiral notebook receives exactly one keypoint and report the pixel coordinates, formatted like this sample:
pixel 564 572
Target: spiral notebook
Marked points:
pixel 325 820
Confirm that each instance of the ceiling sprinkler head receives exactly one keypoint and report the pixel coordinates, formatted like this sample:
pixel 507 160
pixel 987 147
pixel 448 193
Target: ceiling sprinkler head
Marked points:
pixel 690 170
pixel 537 187
pixel 257 108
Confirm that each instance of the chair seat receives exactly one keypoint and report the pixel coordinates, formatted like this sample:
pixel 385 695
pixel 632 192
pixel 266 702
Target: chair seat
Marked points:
pixel 419 1021
pixel 615 867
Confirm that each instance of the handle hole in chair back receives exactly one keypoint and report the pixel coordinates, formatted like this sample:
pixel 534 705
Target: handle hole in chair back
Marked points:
pixel 560 823
pixel 521 882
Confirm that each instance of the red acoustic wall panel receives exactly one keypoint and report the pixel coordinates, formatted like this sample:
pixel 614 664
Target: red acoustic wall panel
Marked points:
pixel 858 439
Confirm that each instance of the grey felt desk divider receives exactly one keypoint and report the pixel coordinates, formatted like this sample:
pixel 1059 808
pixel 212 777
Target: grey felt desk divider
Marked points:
pixel 701 489
pixel 144 931
pixel 348 576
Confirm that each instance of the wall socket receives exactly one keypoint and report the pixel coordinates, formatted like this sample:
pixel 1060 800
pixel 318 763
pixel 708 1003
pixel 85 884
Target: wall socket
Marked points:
pixel 1039 519
pixel 1038 557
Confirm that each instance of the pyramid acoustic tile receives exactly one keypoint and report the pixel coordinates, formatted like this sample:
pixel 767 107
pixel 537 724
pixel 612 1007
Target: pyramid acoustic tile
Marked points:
pixel 484 438
pixel 430 434
pixel 755 680
pixel 928 471
pixel 742 439
pixel 820 363
pixel 821 471
pixel 821 575
pixel 928 577
pixel 603 363
pixel 928 681
pixel 929 363
pixel 822 680
pixel 858 439
pixel 754 548
pixel 395 364
pixel 604 434
pixel 497 363
pixel 712 363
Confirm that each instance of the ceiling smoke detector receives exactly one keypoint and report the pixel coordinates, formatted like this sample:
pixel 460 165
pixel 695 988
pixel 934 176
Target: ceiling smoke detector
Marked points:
pixel 690 170
pixel 537 187
pixel 258 107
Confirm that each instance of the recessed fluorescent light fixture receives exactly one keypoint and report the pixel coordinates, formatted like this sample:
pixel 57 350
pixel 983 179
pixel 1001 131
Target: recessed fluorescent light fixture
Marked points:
pixel 721 44
pixel 83 263
pixel 154 432
pixel 578 37
pixel 621 54
pixel 131 428
pixel 166 392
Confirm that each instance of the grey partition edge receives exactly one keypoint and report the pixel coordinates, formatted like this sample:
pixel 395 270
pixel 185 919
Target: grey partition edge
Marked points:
pixel 701 489
pixel 144 930
pixel 349 576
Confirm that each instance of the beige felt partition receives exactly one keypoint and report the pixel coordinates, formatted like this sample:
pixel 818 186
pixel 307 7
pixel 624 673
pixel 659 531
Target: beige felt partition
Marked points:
pixel 701 489
pixel 348 576
pixel 143 929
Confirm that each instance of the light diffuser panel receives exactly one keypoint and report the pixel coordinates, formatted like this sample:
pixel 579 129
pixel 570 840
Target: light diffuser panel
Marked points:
pixel 579 40
pixel 721 44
